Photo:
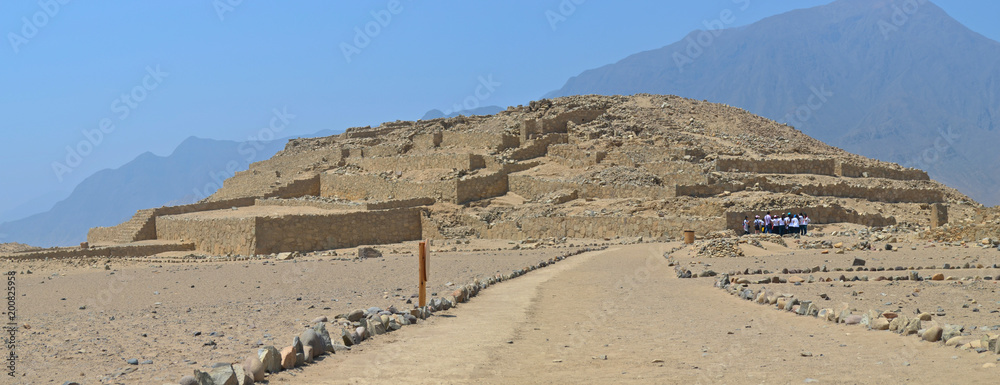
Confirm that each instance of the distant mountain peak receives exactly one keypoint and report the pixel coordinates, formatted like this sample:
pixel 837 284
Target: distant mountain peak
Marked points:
pixel 881 78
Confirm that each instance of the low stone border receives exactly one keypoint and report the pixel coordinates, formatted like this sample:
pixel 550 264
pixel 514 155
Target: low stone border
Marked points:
pixel 923 326
pixel 912 276
pixel 354 328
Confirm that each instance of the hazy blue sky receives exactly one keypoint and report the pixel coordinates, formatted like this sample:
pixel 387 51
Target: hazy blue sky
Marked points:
pixel 156 72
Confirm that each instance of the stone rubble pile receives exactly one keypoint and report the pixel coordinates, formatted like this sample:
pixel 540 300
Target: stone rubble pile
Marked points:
pixel 721 248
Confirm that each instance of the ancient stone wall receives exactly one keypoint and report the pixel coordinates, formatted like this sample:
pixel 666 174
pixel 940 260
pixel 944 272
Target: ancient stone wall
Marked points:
pixel 839 190
pixel 777 166
pixel 535 148
pixel 855 171
pixel 677 172
pixel 587 227
pixel 818 215
pixel 532 187
pixel 533 128
pixel 421 162
pixel 479 187
pixel 297 188
pixel 369 132
pixel 264 177
pixel 131 250
pixel 322 232
pixel 218 236
pixel 427 141
pixel 385 150
pixel 346 205
pixel 573 156
pixel 320 204
pixel 142 226
pixel 939 215
pixel 823 166
pixel 634 155
pixel 479 140
pixel 399 203
pixel 374 187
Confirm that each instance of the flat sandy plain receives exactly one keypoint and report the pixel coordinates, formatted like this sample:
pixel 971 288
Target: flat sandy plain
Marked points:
pixel 618 315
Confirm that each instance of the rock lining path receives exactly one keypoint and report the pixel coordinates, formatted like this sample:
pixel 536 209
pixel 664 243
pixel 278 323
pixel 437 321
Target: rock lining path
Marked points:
pixel 619 316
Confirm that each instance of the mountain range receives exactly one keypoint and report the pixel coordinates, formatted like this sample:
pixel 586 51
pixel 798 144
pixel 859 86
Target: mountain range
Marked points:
pixel 193 171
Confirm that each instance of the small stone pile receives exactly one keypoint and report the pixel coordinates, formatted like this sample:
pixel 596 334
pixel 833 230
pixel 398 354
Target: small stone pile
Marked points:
pixel 354 328
pixel 923 326
pixel 721 248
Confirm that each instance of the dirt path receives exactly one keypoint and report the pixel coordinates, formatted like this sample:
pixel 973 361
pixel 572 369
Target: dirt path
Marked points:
pixel 620 316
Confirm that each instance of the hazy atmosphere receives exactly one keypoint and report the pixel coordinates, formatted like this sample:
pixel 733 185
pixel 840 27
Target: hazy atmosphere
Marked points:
pixel 159 72
pixel 238 192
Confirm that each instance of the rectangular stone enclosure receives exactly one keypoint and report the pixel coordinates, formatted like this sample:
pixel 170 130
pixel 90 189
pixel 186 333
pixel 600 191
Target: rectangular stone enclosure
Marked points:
pixel 243 233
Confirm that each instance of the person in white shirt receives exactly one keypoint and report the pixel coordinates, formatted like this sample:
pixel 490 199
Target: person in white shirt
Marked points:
pixel 746 225
pixel 767 224
pixel 779 225
pixel 805 224
pixel 793 225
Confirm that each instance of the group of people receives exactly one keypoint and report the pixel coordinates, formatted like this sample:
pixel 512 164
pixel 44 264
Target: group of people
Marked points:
pixel 781 224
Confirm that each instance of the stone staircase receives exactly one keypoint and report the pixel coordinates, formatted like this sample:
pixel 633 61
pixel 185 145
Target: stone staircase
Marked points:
pixel 141 227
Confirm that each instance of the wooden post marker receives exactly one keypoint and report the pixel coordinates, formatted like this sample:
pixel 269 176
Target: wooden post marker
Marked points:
pixel 423 273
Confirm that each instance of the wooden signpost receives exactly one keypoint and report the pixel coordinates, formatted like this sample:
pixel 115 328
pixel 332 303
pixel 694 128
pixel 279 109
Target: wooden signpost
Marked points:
pixel 423 273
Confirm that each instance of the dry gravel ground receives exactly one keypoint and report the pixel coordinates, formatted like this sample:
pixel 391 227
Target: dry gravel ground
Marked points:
pixel 153 311
pixel 620 316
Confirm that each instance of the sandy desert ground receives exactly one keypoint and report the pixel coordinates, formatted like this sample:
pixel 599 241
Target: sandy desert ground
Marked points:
pixel 81 322
pixel 618 315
